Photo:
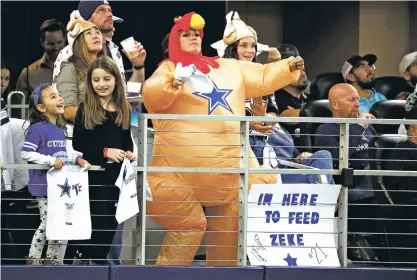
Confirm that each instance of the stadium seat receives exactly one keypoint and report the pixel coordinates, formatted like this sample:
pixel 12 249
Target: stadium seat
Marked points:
pixel 390 86
pixel 321 85
pixel 390 109
pixel 382 146
pixel 316 108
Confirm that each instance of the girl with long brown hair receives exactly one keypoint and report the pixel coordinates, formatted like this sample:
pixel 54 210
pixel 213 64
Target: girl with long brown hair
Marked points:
pixel 102 134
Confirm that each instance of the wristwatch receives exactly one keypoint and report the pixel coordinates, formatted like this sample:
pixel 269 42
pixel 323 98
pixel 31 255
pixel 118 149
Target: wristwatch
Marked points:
pixel 138 67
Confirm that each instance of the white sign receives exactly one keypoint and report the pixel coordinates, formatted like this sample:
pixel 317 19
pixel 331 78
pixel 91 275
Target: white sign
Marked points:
pixel 69 215
pixel 292 225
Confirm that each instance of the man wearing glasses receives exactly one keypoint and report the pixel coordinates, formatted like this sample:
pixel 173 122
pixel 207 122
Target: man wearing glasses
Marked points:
pixel 359 72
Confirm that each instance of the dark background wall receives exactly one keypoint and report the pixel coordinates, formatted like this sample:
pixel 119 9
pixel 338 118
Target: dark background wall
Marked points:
pixel 413 25
pixel 326 33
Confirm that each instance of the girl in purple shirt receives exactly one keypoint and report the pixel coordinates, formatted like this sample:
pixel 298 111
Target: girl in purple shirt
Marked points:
pixel 45 144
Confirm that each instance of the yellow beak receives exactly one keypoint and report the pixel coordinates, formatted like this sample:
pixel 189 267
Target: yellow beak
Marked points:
pixel 197 22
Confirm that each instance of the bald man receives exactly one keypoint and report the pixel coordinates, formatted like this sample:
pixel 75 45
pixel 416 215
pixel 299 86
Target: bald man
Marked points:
pixel 344 103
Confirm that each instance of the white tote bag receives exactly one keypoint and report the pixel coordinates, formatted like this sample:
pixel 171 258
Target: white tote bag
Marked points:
pixel 68 215
pixel 128 205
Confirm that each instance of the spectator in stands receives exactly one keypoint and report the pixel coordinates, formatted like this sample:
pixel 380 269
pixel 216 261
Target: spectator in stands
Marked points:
pixel 408 70
pixel 86 46
pixel 344 103
pixel 245 47
pixel 101 14
pixel 45 110
pixel 242 80
pixel 86 43
pixel 404 158
pixel 291 98
pixel 280 146
pixel 402 190
pixel 260 106
pixel 102 134
pixel 53 35
pixel 5 80
pixel 411 101
pixel 359 72
pixel 16 200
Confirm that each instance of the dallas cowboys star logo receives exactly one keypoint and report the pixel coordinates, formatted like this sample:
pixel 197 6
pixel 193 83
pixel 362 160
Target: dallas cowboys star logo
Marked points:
pixel 217 97
pixel 65 188
pixel 290 260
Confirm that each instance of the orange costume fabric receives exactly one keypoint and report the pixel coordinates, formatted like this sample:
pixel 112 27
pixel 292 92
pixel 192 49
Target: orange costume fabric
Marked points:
pixel 178 198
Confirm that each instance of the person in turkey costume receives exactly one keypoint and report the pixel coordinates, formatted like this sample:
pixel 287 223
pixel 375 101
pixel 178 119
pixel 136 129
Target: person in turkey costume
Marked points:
pixel 190 83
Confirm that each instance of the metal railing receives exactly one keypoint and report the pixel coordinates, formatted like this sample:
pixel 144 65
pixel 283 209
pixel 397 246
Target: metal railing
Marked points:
pixel 244 170
pixel 137 241
pixel 22 106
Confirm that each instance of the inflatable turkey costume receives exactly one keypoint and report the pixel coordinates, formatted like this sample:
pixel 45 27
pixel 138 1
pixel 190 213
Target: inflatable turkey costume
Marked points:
pixel 179 197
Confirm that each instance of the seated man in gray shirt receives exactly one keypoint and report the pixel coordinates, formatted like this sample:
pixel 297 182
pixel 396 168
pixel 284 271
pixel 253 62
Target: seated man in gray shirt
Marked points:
pixel 344 103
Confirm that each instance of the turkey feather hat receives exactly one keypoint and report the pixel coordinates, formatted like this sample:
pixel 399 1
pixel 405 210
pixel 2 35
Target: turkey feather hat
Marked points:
pixel 177 55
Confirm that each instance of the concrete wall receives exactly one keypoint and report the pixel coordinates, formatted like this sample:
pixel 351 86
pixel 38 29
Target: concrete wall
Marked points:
pixel 384 30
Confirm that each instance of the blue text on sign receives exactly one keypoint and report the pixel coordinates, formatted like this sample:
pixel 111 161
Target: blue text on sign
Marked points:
pixel 265 198
pixel 299 199
pixel 272 215
pixel 287 239
pixel 303 218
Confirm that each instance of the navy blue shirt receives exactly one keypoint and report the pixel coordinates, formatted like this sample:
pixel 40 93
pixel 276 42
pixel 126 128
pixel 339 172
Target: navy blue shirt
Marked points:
pixel 359 141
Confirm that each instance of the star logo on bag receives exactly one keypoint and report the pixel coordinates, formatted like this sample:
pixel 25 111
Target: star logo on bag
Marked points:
pixel 65 189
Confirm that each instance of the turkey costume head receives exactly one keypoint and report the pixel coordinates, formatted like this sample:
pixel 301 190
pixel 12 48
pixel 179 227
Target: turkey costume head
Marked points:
pixel 175 52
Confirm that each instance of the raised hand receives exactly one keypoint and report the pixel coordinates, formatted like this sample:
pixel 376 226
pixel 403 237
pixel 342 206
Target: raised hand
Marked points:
pixel 138 60
pixel 183 73
pixel 296 64
pixel 273 55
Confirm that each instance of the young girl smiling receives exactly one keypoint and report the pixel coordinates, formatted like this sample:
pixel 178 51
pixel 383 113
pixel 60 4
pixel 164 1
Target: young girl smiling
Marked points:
pixel 102 134
pixel 45 144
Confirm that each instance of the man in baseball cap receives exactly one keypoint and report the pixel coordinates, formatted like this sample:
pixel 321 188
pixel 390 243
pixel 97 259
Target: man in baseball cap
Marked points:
pixel 100 13
pixel 358 61
pixel 359 72
pixel 407 62
pixel 408 70
pixel 87 8
pixel 288 50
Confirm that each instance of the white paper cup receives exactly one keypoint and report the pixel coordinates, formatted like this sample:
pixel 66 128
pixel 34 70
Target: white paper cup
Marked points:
pixel 129 46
